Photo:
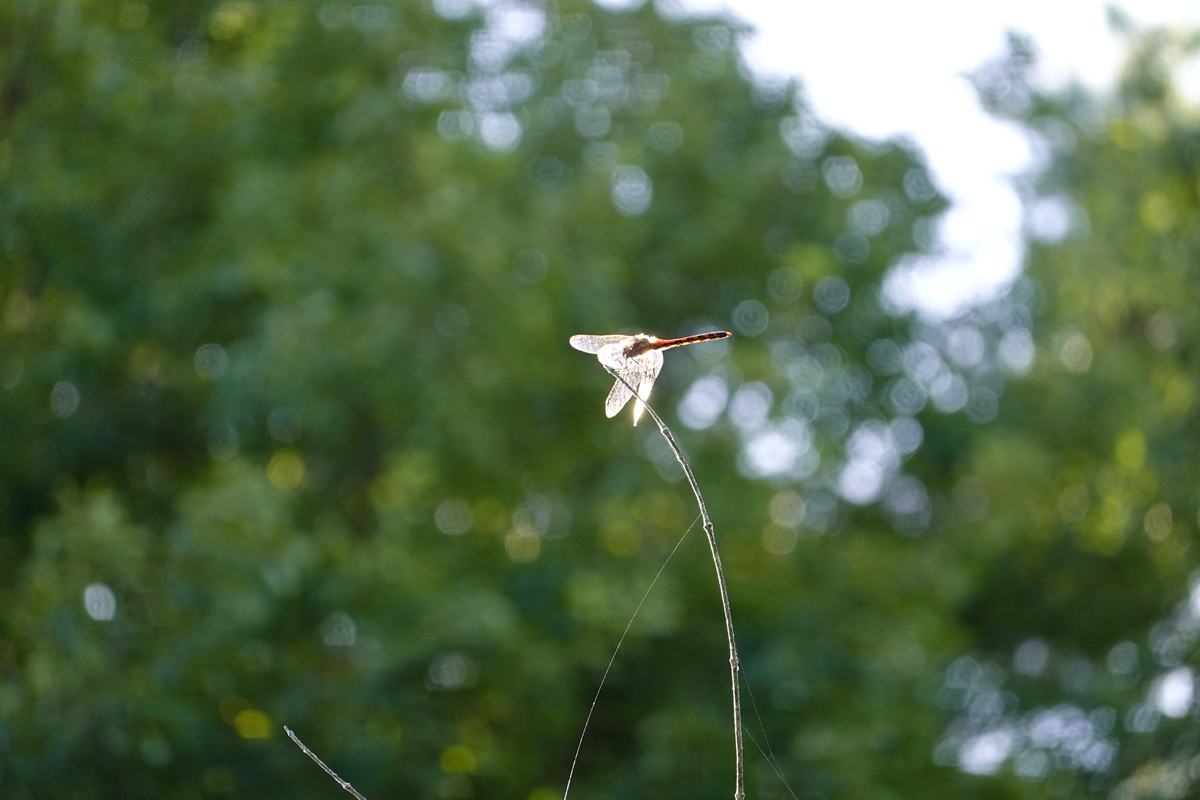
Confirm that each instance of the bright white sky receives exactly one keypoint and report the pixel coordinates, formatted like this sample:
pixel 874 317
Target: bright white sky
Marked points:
pixel 880 68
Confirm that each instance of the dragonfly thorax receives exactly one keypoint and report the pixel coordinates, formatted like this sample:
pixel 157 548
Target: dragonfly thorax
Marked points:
pixel 638 344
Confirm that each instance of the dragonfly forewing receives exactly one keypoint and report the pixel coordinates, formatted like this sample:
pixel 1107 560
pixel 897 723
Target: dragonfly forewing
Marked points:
pixel 592 344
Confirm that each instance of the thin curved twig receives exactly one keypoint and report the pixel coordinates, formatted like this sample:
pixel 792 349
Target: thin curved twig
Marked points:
pixel 739 791
pixel 344 784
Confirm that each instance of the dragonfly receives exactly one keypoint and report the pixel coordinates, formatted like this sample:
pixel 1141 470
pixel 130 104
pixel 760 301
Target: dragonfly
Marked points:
pixel 636 360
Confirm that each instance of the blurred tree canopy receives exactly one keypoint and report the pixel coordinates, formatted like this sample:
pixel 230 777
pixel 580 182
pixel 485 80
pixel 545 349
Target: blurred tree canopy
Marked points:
pixel 292 434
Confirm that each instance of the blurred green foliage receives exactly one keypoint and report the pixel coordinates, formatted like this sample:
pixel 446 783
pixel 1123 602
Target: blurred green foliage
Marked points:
pixel 292 434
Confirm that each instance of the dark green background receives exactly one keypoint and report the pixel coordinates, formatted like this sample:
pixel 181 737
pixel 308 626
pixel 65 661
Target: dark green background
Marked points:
pixel 276 316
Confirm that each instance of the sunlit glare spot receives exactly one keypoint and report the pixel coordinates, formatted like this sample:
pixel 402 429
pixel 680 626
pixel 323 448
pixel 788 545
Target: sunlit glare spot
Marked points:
pixel 99 602
pixel 831 294
pixel 453 517
pixel 1076 353
pixel 1142 718
pixel 750 318
pixel 632 190
pixel 1049 219
pixel 458 759
pixel 907 434
pixel 285 424
pixel 1173 693
pixel 779 540
pixel 775 451
pixel 521 547
pixel 922 362
pixel 338 630
pixel 518 23
pixel 451 671
pixel 872 441
pixel 453 9
pixel 925 233
pixel 983 754
pixel 883 356
pixel 223 442
pixel 211 361
pixel 907 397
pixel 751 404
pixel 1158 522
pixel 64 399
pixel 665 137
pixel 1161 331
pixel 918 186
pixel 784 285
pixel 703 403
pixel 593 122
pixel 1031 657
pixel 805 137
pixel 965 346
pixel 787 509
pixel 860 482
pixel 252 724
pixel 842 175
pixel 948 392
pixel 286 470
pixel 424 85
pixel 500 132
pixel 868 217
pixel 1016 351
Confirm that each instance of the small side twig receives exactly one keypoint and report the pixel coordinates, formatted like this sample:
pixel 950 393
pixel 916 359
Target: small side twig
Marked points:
pixel 739 790
pixel 344 784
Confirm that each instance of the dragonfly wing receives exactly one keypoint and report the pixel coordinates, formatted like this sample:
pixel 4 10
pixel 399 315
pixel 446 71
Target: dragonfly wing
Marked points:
pixel 621 393
pixel 592 344
pixel 652 363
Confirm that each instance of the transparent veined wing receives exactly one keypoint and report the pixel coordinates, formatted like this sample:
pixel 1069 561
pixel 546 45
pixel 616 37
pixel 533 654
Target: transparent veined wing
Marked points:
pixel 592 344
pixel 639 373
pixel 652 362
